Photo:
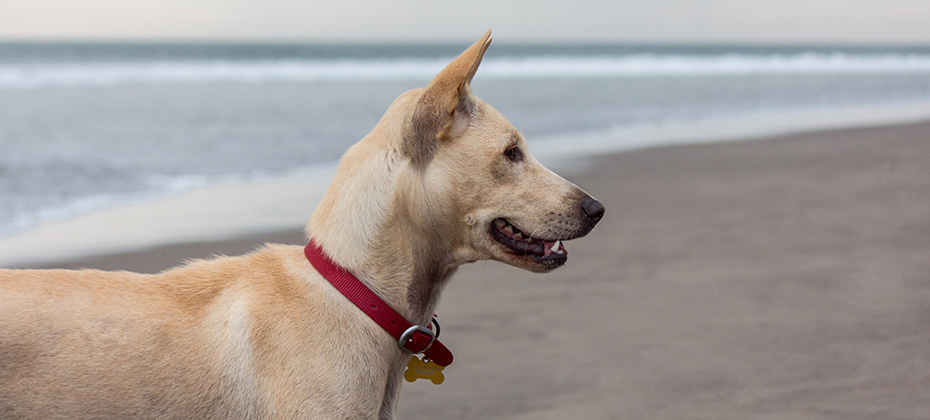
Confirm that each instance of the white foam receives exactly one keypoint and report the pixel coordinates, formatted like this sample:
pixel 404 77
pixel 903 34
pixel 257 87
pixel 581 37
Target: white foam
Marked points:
pixel 724 128
pixel 730 127
pixel 211 213
pixel 159 187
pixel 689 65
pixel 28 76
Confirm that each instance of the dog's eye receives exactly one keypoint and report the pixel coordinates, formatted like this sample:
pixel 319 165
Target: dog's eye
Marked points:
pixel 513 154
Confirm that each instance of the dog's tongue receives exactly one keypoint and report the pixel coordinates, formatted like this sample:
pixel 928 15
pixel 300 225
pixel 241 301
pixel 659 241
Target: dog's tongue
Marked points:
pixel 549 245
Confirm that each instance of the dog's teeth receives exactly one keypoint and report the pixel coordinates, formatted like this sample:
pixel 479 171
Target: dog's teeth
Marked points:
pixel 499 223
pixel 518 235
pixel 555 246
pixel 508 229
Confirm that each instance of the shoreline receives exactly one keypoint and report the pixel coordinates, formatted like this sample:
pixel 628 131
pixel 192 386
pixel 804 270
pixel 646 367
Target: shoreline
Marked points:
pixel 216 213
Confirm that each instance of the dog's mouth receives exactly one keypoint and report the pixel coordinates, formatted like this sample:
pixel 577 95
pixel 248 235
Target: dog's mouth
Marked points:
pixel 549 253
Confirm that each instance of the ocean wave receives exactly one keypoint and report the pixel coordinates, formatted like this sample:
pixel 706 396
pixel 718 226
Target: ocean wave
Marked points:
pixel 26 76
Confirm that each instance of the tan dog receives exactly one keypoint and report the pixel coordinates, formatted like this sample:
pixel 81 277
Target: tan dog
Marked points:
pixel 442 180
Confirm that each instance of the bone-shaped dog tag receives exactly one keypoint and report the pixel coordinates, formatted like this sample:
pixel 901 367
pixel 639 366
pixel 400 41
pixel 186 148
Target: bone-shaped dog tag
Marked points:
pixel 423 369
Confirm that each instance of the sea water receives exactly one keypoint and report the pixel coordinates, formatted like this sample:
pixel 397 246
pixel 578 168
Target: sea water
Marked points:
pixel 86 126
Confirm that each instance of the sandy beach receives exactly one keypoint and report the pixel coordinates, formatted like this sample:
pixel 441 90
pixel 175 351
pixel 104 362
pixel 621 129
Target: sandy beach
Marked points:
pixel 783 278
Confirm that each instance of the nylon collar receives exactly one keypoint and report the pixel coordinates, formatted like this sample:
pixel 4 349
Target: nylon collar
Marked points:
pixel 414 339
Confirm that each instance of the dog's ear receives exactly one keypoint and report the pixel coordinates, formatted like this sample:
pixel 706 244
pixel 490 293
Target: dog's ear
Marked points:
pixel 445 90
pixel 444 100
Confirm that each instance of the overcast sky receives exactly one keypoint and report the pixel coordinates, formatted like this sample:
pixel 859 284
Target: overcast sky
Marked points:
pixel 778 21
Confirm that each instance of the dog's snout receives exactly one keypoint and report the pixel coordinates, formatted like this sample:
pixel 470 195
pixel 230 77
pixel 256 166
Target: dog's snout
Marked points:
pixel 593 209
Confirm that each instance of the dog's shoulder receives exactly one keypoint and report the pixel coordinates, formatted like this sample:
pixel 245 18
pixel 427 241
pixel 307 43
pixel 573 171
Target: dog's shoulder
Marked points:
pixel 271 271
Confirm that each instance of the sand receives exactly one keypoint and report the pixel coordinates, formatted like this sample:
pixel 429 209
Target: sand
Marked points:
pixel 786 278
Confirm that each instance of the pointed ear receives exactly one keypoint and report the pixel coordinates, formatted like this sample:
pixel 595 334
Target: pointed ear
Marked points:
pixel 453 81
pixel 446 95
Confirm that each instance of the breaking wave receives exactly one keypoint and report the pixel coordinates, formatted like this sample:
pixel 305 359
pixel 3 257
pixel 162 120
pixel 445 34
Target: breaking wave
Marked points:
pixel 28 76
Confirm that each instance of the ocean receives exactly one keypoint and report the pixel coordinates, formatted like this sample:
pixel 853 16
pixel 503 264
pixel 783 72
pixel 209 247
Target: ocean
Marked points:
pixel 88 126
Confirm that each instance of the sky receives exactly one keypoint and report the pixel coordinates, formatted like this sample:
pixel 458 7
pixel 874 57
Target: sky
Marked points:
pixel 689 21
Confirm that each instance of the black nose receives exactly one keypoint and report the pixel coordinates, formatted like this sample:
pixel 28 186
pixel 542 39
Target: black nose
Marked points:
pixel 593 209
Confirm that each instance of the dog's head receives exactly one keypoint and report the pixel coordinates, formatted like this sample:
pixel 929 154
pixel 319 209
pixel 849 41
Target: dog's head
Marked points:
pixel 478 177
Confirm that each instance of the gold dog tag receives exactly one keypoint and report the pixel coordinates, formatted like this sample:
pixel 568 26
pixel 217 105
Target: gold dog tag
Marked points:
pixel 423 369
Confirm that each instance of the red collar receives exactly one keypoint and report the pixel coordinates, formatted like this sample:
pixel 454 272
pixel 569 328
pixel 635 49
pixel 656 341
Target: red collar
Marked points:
pixel 411 338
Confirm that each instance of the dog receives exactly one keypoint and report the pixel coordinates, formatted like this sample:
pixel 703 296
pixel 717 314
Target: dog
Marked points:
pixel 442 180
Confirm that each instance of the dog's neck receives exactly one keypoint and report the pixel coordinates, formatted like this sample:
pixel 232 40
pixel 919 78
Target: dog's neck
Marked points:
pixel 419 272
pixel 366 224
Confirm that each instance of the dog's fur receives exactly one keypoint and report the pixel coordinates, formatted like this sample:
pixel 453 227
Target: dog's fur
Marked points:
pixel 264 335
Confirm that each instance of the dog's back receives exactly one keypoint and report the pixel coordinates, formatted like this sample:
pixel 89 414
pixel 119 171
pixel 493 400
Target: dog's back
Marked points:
pixel 95 344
